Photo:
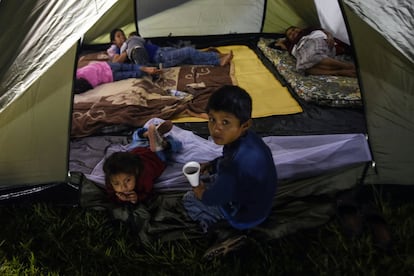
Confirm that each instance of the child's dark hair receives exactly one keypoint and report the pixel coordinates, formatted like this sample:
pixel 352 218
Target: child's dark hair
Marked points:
pixel 121 162
pixel 289 28
pixel 113 32
pixel 232 99
pixel 134 33
pixel 81 85
pixel 289 44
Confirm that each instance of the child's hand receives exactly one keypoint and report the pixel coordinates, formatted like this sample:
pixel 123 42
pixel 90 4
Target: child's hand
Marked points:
pixel 280 44
pixel 205 168
pixel 330 39
pixel 128 197
pixel 199 190
pixel 150 70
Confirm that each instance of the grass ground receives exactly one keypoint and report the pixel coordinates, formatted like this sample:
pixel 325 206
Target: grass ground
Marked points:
pixel 45 239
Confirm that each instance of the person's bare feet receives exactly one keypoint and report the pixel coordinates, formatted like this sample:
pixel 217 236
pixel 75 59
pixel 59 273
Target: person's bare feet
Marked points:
pixel 155 139
pixel 225 59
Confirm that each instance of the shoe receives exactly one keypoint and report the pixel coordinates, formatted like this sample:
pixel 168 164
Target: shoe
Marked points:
pixel 350 218
pixel 223 248
pixel 379 228
pixel 155 139
pixel 164 127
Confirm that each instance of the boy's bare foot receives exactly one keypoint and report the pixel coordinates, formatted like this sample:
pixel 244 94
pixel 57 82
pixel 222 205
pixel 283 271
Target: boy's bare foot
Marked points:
pixel 164 127
pixel 155 139
pixel 224 60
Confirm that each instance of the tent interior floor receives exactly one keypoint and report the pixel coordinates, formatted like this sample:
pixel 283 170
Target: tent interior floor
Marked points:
pixel 315 119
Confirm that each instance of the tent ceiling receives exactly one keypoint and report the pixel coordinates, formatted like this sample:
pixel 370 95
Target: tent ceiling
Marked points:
pixel 207 17
pixel 394 20
pixel 38 33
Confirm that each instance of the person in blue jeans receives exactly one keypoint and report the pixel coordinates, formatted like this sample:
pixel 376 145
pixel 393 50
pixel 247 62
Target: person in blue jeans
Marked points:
pixel 96 73
pixel 123 49
pixel 242 182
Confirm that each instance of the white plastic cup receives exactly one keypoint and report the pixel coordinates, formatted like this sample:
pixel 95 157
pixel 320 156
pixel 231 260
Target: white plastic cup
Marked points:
pixel 192 171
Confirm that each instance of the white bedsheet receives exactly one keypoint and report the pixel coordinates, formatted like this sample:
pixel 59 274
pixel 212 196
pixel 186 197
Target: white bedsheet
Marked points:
pixel 295 156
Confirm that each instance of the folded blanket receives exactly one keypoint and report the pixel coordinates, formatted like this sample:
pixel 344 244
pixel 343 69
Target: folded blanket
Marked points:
pixel 132 102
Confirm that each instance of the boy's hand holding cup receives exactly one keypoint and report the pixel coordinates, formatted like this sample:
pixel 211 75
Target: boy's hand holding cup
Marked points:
pixel 192 171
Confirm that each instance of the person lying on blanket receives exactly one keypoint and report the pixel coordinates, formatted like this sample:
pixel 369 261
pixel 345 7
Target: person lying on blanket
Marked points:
pixel 130 175
pixel 243 180
pixel 96 73
pixel 138 50
pixel 314 50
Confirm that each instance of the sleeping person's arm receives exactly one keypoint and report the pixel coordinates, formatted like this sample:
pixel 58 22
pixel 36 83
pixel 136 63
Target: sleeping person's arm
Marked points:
pixel 120 58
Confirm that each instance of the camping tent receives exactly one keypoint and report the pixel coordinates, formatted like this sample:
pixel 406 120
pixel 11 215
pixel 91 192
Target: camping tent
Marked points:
pixel 383 41
pixel 39 48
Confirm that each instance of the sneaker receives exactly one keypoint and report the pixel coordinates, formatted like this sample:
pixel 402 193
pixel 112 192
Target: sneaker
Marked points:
pixel 164 127
pixel 155 139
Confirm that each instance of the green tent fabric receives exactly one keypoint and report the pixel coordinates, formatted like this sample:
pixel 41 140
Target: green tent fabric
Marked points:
pixel 39 49
pixel 383 43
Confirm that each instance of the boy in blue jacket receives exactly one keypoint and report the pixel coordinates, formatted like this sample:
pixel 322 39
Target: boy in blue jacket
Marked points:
pixel 243 180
